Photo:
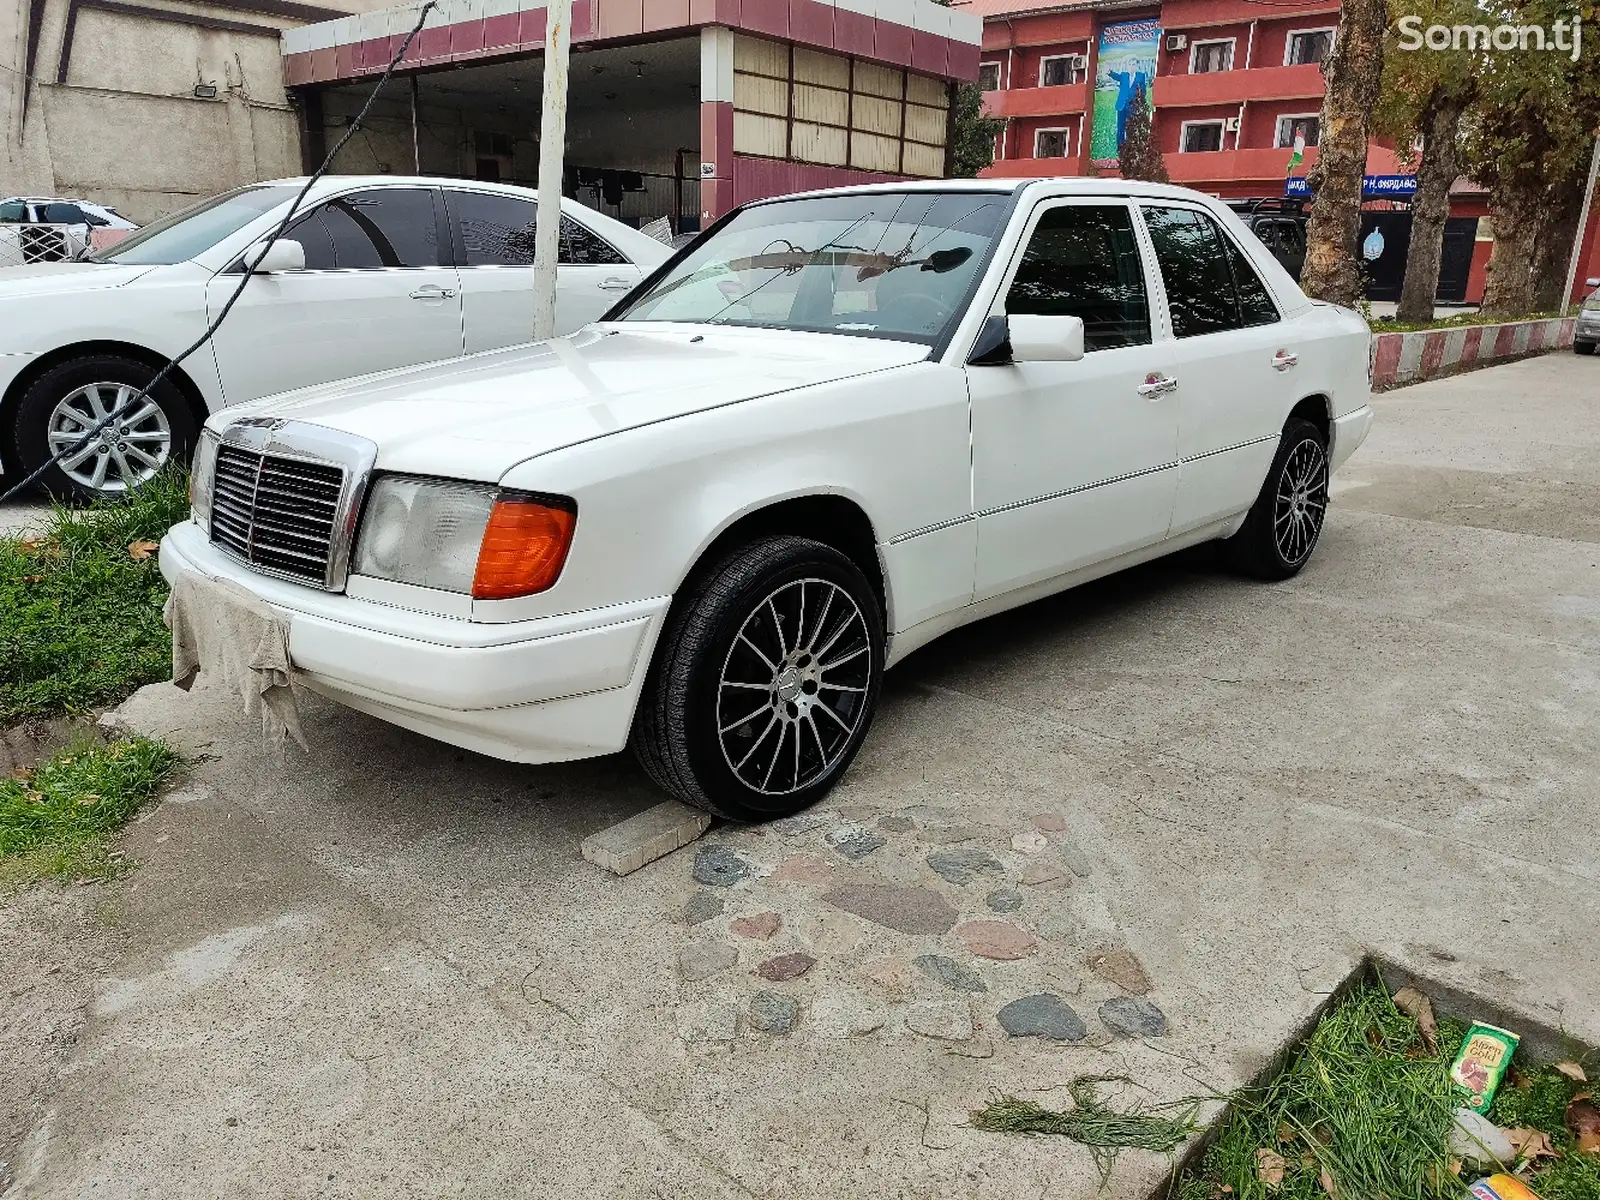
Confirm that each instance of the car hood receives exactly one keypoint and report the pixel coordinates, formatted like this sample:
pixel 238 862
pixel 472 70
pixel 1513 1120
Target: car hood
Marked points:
pixel 477 417
pixel 42 279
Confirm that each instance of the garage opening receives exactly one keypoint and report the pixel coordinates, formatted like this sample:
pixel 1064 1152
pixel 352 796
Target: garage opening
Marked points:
pixel 633 128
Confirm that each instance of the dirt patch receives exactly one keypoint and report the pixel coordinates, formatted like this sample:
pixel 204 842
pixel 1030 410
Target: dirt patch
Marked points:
pixel 1514 502
pixel 26 744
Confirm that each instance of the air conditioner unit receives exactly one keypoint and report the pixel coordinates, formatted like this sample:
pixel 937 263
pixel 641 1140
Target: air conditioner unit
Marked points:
pixel 1177 41
pixel 1078 62
pixel 1231 125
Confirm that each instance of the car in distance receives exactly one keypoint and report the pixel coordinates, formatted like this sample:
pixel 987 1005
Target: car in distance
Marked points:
pixel 379 272
pixel 37 229
pixel 836 427
pixel 1586 333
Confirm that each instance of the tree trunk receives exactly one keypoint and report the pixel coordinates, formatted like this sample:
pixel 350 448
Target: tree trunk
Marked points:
pixel 1553 253
pixel 1441 163
pixel 1353 72
pixel 1515 204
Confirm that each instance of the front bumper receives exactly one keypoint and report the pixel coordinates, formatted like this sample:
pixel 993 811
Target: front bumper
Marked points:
pixel 544 690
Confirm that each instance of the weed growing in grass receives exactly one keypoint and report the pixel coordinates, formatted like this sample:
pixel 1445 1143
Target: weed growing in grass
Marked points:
pixel 58 820
pixel 80 615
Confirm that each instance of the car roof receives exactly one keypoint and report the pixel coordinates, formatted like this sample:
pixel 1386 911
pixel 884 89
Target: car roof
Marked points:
pixel 1056 185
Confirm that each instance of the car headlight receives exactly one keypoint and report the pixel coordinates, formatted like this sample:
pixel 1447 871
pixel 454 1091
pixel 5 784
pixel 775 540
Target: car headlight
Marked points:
pixel 202 477
pixel 469 538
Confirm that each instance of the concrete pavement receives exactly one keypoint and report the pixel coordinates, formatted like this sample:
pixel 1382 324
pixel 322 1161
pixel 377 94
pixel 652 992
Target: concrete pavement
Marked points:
pixel 383 969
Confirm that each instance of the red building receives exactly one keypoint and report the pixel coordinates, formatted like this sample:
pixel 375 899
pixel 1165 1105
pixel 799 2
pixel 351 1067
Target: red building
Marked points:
pixel 1232 83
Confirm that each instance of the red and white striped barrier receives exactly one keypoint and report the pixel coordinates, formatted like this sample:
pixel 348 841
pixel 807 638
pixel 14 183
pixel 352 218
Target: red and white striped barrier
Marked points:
pixel 1427 353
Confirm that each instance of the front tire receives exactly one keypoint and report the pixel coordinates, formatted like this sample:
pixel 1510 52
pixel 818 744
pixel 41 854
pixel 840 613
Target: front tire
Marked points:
pixel 1280 533
pixel 765 682
pixel 1583 347
pixel 69 399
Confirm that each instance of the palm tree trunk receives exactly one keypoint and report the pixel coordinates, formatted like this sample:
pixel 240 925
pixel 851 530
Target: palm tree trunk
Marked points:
pixel 1353 73
pixel 1430 208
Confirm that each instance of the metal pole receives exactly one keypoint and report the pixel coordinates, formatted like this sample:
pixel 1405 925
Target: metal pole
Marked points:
pixel 416 142
pixel 552 156
pixel 1583 227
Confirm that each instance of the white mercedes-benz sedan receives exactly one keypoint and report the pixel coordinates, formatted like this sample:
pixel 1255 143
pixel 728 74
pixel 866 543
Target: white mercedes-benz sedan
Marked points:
pixel 836 427
pixel 380 272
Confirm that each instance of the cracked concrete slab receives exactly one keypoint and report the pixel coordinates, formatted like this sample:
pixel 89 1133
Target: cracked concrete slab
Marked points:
pixel 384 968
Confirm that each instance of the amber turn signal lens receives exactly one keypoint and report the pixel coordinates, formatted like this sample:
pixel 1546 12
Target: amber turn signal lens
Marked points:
pixel 524 546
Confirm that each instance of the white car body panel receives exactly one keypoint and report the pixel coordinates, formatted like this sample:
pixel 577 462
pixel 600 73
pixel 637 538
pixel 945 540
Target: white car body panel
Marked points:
pixel 294 329
pixel 985 486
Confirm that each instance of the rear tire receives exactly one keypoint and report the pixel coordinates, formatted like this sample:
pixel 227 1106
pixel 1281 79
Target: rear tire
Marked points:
pixel 765 681
pixel 69 399
pixel 1280 533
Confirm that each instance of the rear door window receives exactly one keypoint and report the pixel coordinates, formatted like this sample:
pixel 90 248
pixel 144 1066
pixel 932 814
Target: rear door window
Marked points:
pixel 1201 295
pixel 498 231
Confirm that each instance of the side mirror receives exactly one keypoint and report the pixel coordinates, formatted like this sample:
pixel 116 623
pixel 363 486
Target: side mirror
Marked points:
pixel 285 254
pixel 1046 339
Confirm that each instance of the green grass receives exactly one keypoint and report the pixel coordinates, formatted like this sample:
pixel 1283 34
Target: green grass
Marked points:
pixel 80 617
pixel 1367 1102
pixel 59 819
pixel 1363 1100
pixel 1538 1100
pixel 1379 325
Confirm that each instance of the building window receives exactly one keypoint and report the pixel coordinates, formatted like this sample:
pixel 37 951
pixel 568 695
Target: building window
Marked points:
pixel 1206 57
pixel 1290 128
pixel 809 106
pixel 1201 136
pixel 1062 69
pixel 1052 143
pixel 989 76
pixel 1307 46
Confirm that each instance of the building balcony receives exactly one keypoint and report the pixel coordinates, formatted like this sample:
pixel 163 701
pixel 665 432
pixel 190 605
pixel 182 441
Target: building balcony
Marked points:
pixel 1217 166
pixel 1234 87
pixel 1030 168
pixel 1037 101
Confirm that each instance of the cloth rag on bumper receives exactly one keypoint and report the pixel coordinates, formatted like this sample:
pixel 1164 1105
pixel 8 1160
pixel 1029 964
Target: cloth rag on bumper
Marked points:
pixel 222 629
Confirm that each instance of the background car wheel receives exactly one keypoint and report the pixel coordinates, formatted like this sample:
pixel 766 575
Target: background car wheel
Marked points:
pixel 765 681
pixel 1583 347
pixel 69 399
pixel 1280 533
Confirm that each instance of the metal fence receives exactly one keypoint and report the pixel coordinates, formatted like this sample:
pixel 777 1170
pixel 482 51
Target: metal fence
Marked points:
pixel 24 245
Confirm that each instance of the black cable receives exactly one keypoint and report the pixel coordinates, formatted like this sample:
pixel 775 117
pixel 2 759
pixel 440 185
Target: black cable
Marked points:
pixel 249 269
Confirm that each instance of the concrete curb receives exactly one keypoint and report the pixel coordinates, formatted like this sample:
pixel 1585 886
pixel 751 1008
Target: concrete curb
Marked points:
pixel 1401 358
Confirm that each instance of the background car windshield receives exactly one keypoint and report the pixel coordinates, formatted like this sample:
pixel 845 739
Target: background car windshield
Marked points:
pixel 193 231
pixel 886 264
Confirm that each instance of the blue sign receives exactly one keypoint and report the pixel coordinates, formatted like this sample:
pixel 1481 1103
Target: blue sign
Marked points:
pixel 1371 185
pixel 1389 185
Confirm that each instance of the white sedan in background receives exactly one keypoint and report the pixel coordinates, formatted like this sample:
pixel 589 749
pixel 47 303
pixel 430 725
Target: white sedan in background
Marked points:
pixel 379 272
pixel 835 428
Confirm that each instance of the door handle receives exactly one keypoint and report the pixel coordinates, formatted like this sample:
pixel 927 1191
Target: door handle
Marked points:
pixel 615 285
pixel 1284 359
pixel 432 291
pixel 1155 386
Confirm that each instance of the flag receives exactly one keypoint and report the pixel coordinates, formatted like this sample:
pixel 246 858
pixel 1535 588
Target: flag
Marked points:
pixel 1299 154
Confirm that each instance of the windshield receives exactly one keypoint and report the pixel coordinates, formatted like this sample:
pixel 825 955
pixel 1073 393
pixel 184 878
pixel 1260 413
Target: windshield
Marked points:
pixel 885 264
pixel 196 229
